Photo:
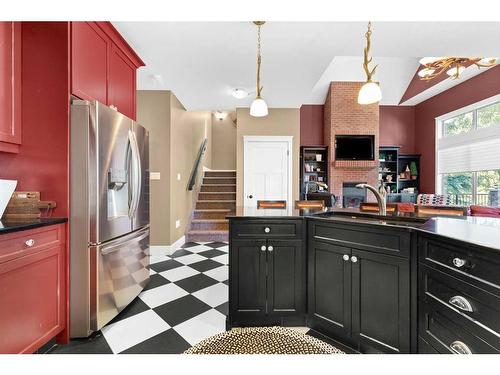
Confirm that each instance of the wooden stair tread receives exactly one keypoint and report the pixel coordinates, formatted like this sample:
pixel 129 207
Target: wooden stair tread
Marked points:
pixel 215 200
pixel 218 184
pixel 214 231
pixel 212 209
pixel 210 221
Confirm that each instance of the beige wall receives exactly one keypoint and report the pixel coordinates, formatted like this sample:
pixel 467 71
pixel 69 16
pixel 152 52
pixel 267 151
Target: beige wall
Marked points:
pixel 224 144
pixel 174 140
pixel 280 121
pixel 188 129
pixel 153 112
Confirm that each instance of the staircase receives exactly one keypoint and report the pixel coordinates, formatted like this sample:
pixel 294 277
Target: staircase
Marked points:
pixel 216 199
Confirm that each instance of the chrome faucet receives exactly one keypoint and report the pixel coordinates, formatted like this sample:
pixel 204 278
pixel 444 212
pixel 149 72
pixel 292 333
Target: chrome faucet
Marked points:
pixel 382 206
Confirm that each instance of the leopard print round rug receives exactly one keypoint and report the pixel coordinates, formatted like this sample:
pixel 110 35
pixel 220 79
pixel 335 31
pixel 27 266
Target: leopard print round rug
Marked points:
pixel 262 340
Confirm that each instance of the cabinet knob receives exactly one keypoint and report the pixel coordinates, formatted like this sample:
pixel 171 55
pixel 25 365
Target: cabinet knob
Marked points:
pixel 270 248
pixel 461 303
pixel 30 242
pixel 354 259
pixel 267 229
pixel 460 348
pixel 345 257
pixel 457 262
pixel 263 248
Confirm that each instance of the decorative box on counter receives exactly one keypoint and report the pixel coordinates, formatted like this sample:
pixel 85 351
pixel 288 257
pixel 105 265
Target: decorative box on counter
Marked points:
pixel 26 205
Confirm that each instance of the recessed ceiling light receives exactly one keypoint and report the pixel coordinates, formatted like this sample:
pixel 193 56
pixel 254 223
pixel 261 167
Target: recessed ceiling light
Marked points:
pixel 239 93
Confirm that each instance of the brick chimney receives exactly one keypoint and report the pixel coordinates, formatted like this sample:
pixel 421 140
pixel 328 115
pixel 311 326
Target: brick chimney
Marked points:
pixel 344 116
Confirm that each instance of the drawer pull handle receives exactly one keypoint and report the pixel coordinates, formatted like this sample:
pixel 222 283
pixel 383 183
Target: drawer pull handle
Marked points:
pixel 270 248
pixel 457 262
pixel 263 248
pixel 30 242
pixel 354 259
pixel 460 348
pixel 345 257
pixel 461 303
pixel 267 229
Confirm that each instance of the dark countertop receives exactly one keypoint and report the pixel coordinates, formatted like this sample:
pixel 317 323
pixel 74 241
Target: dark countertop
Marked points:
pixel 16 226
pixel 481 231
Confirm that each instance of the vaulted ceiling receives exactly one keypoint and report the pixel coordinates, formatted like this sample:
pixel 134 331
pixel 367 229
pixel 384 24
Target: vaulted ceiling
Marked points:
pixel 201 62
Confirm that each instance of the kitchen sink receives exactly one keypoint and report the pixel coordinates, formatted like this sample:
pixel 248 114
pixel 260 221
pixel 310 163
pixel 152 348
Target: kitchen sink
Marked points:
pixel 406 219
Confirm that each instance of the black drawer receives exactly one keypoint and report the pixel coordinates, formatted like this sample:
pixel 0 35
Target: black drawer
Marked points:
pixel 425 348
pixel 481 307
pixel 267 229
pixel 449 332
pixel 473 265
pixel 388 240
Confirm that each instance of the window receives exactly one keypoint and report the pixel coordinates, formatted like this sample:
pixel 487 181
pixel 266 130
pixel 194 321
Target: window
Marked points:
pixel 468 154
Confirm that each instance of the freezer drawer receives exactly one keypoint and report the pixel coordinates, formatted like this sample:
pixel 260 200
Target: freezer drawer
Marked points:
pixel 119 271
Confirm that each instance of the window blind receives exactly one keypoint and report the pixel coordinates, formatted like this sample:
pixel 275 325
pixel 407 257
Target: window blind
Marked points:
pixel 476 155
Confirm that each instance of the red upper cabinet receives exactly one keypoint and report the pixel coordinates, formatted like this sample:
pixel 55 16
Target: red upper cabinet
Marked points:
pixel 89 54
pixel 121 83
pixel 103 66
pixel 10 86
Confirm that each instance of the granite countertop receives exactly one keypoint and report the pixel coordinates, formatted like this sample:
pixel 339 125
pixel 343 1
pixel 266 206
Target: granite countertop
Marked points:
pixel 481 231
pixel 18 225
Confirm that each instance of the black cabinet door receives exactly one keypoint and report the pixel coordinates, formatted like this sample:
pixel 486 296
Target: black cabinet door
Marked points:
pixel 329 289
pixel 380 302
pixel 247 285
pixel 286 277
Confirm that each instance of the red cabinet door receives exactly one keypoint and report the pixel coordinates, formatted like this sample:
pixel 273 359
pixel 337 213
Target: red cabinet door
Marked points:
pixel 10 86
pixel 121 83
pixel 33 294
pixel 89 54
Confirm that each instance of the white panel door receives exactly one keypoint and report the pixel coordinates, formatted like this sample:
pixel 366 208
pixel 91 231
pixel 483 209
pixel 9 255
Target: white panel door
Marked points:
pixel 266 169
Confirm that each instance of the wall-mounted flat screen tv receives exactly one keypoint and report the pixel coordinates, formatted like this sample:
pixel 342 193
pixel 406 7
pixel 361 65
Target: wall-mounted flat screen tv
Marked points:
pixel 354 147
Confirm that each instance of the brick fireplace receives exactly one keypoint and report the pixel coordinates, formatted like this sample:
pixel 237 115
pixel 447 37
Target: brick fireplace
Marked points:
pixel 344 116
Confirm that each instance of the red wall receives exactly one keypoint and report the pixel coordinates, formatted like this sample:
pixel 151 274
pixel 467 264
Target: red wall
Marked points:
pixel 42 162
pixel 311 125
pixel 397 127
pixel 481 87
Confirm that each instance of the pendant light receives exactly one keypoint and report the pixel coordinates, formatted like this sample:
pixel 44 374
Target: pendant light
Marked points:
pixel 259 106
pixel 370 92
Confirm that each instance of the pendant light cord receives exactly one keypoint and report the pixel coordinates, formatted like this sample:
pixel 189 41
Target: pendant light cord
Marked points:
pixel 259 59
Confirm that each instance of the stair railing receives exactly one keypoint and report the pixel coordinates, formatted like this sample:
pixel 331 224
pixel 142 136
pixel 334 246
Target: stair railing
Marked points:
pixel 196 167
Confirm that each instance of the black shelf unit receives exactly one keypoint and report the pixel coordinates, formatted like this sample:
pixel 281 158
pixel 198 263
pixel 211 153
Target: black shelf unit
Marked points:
pixel 309 166
pixel 388 167
pixel 414 181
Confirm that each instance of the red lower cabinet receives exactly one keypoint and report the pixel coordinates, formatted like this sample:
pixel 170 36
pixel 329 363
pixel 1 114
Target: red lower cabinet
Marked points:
pixel 32 288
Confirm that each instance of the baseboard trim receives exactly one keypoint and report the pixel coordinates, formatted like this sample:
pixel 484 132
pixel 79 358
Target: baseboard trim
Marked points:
pixel 156 250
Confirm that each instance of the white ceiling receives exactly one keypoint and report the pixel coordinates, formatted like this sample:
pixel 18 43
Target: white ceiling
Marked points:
pixel 201 62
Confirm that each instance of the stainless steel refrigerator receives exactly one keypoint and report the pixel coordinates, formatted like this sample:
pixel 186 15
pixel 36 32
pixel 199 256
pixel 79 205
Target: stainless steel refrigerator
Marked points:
pixel 109 223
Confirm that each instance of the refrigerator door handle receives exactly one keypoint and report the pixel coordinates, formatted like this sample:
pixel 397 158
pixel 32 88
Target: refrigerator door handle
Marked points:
pixel 138 174
pixel 112 249
pixel 135 174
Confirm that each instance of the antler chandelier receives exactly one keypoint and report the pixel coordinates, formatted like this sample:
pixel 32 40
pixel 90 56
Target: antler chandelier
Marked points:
pixel 453 66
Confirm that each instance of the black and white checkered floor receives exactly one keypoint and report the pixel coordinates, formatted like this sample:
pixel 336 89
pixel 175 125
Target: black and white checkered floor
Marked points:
pixel 185 302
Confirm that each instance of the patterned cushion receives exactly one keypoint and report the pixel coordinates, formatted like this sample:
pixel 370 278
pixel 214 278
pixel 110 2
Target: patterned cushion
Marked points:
pixel 434 200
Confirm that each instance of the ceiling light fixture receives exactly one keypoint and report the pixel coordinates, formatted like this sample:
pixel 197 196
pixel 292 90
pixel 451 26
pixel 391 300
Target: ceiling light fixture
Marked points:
pixel 220 115
pixel 259 106
pixel 239 93
pixel 453 66
pixel 370 92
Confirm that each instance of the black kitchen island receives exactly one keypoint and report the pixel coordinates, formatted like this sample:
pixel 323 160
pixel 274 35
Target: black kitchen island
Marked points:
pixel 394 284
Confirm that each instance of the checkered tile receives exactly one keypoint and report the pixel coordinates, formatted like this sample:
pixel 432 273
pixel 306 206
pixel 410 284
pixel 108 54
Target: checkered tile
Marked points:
pixel 185 302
